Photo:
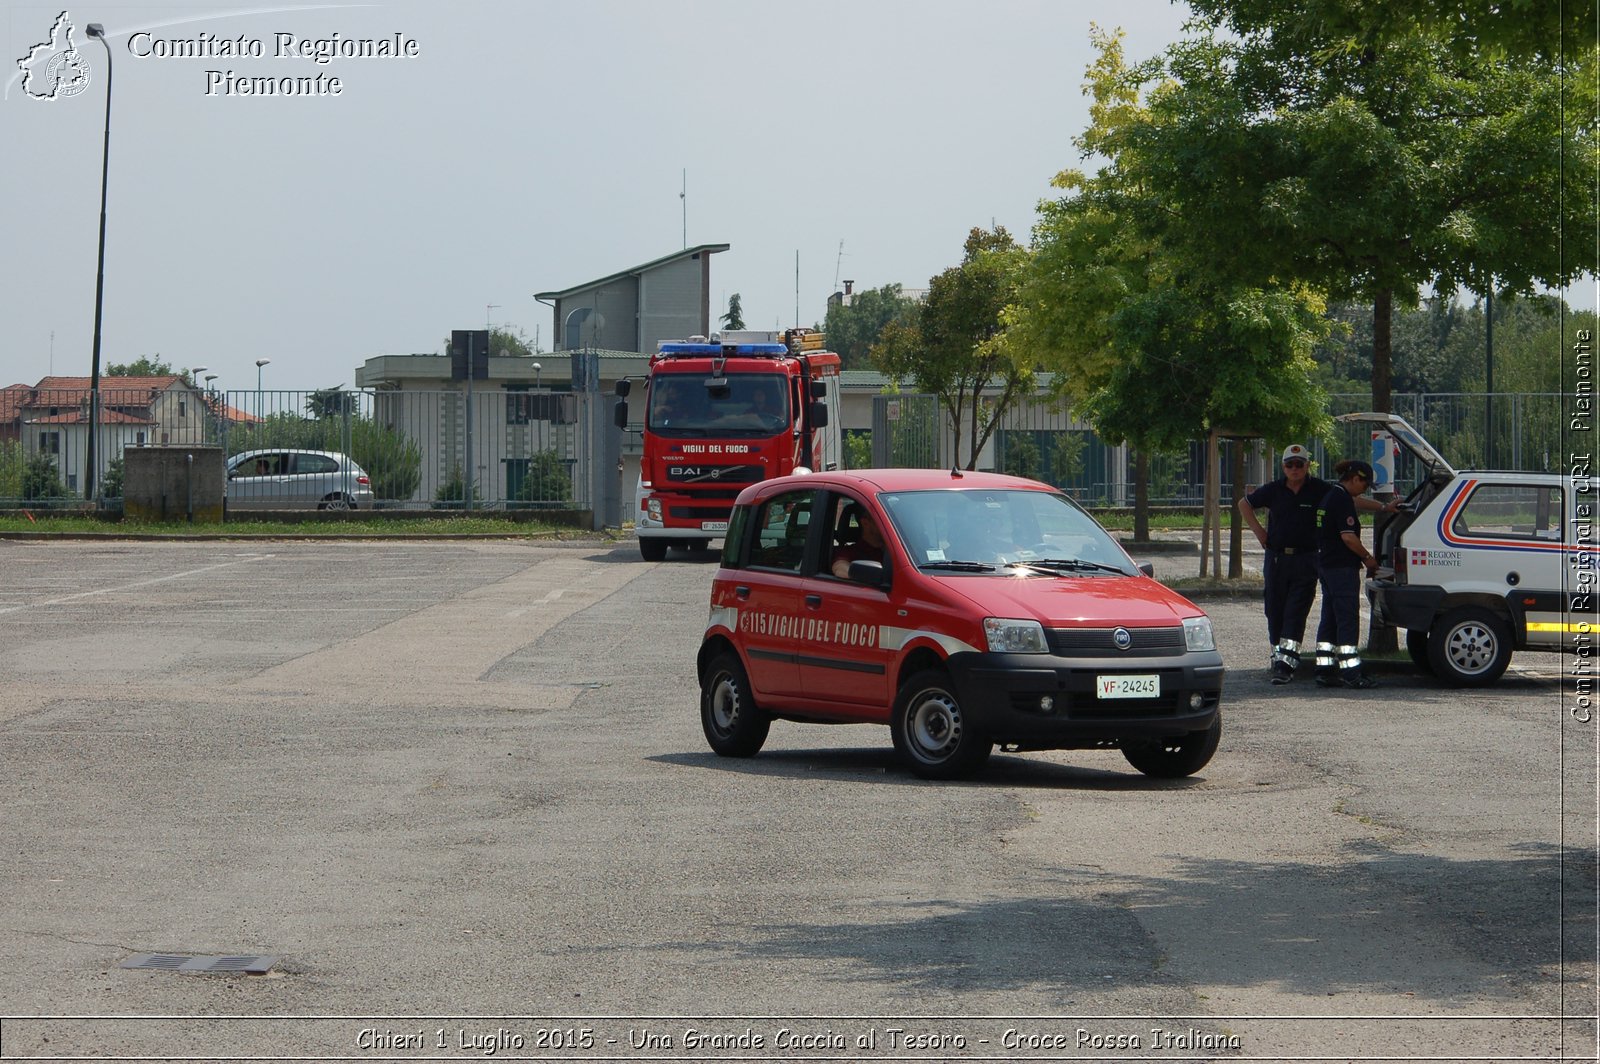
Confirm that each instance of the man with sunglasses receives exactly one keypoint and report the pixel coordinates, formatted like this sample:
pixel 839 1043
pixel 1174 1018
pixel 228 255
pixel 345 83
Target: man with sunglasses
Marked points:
pixel 1290 540
pixel 1341 558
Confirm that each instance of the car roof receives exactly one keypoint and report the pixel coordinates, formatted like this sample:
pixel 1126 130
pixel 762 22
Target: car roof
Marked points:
pixel 285 450
pixel 874 481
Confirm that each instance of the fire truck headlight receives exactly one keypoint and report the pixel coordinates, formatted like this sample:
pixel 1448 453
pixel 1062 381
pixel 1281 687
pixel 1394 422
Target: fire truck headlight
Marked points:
pixel 1007 636
pixel 654 508
pixel 1197 634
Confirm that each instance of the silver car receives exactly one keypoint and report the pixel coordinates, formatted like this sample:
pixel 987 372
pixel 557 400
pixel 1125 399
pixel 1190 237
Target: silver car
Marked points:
pixel 284 479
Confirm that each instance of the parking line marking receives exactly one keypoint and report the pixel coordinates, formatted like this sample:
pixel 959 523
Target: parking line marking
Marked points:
pixel 130 587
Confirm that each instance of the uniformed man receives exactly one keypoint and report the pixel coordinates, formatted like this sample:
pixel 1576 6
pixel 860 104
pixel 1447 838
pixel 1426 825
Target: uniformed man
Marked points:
pixel 1290 540
pixel 1342 557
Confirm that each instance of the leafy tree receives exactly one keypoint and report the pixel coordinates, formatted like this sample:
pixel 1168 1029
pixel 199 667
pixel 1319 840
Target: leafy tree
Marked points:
pixel 1148 345
pixel 547 479
pixel 13 461
pixel 956 346
pixel 331 402
pixel 454 490
pixel 143 366
pixel 857 449
pixel 509 340
pixel 40 479
pixel 734 318
pixel 1367 166
pixel 1022 455
pixel 111 483
pixel 852 329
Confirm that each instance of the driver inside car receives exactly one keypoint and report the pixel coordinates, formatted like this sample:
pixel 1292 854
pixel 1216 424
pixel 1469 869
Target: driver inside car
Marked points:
pixel 859 538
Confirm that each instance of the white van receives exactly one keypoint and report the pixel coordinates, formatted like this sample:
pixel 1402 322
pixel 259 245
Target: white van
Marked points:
pixel 1484 563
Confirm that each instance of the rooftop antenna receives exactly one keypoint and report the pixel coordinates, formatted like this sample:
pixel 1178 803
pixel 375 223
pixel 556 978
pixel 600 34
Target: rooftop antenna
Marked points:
pixel 797 286
pixel 837 266
pixel 683 197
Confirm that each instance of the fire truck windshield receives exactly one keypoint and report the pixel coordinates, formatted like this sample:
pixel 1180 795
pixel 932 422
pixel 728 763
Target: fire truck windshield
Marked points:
pixel 752 404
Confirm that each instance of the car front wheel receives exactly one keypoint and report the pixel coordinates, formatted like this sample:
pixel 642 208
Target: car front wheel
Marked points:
pixel 1469 647
pixel 734 725
pixel 652 549
pixel 337 501
pixel 1181 755
pixel 932 733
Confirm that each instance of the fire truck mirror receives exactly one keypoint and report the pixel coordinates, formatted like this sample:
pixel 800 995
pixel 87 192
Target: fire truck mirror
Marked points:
pixel 819 389
pixel 819 415
pixel 619 414
pixel 623 387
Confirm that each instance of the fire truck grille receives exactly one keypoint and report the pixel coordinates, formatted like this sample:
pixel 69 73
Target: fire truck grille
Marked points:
pixel 693 476
pixel 1101 642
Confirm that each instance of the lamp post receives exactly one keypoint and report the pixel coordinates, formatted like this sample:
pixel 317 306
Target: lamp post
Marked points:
pixel 214 410
pixel 259 363
pixel 194 378
pixel 97 31
pixel 538 450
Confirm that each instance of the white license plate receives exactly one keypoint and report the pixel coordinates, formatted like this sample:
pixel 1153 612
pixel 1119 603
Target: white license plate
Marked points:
pixel 713 526
pixel 1128 686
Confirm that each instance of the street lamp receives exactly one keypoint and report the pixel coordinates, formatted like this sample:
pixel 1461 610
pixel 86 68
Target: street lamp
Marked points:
pixel 259 363
pixel 194 376
pixel 98 32
pixel 538 432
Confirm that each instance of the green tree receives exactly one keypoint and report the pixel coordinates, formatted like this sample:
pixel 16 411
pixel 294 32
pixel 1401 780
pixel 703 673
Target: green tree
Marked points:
pixel 13 461
pixel 452 493
pixel 734 318
pixel 40 479
pixel 547 479
pixel 1146 343
pixel 331 402
pixel 956 345
pixel 857 449
pixel 1022 455
pixel 143 366
pixel 509 340
pixel 853 328
pixel 111 483
pixel 1369 167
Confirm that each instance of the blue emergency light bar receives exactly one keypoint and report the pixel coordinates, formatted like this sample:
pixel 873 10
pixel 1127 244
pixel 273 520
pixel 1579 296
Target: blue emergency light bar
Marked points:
pixel 718 350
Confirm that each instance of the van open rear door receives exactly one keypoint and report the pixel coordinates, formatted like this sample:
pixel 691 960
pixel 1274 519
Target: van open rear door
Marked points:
pixel 1406 436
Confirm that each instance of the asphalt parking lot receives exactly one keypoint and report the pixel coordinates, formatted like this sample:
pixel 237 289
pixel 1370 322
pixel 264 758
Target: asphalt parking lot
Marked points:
pixel 459 791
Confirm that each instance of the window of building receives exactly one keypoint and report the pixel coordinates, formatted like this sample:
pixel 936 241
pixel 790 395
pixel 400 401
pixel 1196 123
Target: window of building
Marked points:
pixel 49 443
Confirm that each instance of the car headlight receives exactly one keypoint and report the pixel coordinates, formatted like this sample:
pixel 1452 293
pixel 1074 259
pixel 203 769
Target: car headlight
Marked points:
pixel 1197 634
pixel 1007 636
pixel 654 508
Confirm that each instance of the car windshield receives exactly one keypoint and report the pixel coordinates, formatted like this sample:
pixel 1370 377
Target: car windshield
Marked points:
pixel 992 530
pixel 748 405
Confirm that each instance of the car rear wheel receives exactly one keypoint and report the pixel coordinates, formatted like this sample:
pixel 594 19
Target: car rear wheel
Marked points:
pixel 1181 755
pixel 1469 647
pixel 734 725
pixel 931 732
pixel 653 549
pixel 337 501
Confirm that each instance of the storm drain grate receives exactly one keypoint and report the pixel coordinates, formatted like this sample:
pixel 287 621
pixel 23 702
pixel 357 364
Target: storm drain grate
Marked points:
pixel 178 962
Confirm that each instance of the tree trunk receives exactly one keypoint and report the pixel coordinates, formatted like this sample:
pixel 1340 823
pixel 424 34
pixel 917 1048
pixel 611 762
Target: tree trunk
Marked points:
pixel 1235 523
pixel 1141 496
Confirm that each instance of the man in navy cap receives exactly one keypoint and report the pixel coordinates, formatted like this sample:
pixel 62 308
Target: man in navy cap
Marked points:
pixel 1342 557
pixel 1290 539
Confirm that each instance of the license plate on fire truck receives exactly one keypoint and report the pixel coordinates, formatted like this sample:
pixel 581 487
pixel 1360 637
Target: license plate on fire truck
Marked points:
pixel 1145 686
pixel 713 526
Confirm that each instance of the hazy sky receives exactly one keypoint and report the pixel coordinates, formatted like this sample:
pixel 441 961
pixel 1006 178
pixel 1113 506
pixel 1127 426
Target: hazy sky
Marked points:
pixel 526 147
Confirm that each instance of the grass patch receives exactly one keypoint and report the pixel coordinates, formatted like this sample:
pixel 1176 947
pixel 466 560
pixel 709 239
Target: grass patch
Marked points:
pixel 366 528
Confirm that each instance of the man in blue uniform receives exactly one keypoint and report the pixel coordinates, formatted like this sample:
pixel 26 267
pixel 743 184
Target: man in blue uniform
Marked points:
pixel 1290 540
pixel 1342 557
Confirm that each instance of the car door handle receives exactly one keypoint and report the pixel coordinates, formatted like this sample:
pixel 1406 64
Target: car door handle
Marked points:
pixel 814 602
pixel 742 591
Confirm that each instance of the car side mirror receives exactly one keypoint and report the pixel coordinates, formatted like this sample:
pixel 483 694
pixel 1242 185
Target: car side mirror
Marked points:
pixel 819 415
pixel 868 572
pixel 1148 569
pixel 624 386
pixel 819 389
pixel 619 414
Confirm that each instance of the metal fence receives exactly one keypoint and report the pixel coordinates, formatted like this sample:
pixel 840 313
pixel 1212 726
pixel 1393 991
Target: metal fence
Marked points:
pixel 496 449
pixel 499 448
pixel 1515 431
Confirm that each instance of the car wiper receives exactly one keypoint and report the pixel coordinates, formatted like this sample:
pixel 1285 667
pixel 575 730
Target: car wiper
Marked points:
pixel 1076 565
pixel 959 567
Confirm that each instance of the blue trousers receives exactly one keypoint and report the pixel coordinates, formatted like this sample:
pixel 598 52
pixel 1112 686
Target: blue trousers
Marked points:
pixel 1339 630
pixel 1291 584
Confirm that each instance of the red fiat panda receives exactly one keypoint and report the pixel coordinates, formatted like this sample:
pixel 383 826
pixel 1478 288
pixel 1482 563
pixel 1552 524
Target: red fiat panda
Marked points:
pixel 963 610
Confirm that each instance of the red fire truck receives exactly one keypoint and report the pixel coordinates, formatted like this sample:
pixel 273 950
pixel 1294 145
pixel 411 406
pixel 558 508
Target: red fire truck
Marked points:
pixel 721 413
